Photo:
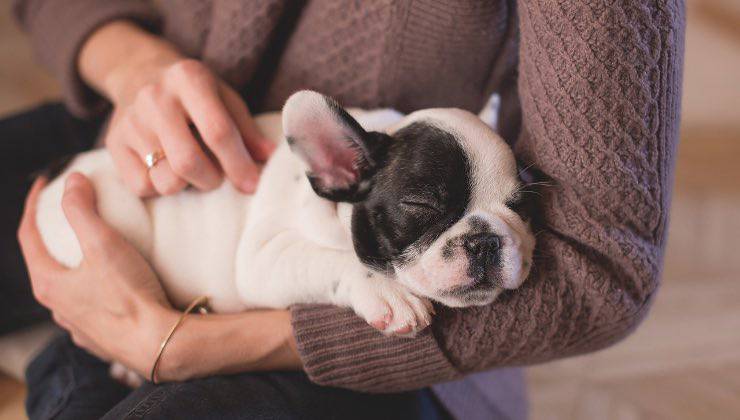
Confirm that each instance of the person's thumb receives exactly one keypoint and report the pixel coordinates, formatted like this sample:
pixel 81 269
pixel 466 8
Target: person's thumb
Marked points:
pixel 80 208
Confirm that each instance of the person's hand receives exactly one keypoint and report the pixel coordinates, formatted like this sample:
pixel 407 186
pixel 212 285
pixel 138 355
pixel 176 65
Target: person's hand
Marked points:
pixel 112 304
pixel 160 99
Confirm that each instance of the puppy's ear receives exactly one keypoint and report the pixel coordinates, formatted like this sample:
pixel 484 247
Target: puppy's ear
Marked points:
pixel 340 154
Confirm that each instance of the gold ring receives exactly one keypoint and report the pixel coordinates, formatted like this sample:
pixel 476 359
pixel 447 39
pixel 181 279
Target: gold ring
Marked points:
pixel 151 159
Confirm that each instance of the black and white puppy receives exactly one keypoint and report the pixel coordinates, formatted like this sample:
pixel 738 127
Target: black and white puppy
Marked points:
pixel 371 210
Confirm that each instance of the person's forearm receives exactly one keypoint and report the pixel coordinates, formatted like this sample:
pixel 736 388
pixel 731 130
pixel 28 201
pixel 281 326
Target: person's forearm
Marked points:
pixel 227 343
pixel 119 54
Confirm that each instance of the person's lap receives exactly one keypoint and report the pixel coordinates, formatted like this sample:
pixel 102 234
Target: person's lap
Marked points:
pixel 66 382
pixel 274 395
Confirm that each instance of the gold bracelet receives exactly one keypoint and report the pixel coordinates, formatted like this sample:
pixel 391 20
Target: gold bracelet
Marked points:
pixel 197 303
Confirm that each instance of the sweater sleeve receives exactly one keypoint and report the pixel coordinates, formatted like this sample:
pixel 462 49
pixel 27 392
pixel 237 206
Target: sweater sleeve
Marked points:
pixel 58 30
pixel 599 86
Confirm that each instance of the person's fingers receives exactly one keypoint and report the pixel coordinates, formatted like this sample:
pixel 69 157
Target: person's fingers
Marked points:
pixel 200 97
pixel 162 177
pixel 132 170
pixel 259 146
pixel 42 267
pixel 80 208
pixel 181 149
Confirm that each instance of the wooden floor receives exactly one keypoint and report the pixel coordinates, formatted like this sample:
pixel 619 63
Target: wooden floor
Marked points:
pixel 684 361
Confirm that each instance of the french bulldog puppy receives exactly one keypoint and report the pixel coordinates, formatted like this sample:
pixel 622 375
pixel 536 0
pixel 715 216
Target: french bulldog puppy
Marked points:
pixel 371 210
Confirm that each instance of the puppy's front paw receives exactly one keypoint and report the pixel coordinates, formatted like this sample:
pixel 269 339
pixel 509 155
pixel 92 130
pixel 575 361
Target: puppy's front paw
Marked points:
pixel 390 307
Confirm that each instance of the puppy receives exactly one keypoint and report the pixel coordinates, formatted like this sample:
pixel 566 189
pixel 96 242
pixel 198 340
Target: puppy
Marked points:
pixel 371 210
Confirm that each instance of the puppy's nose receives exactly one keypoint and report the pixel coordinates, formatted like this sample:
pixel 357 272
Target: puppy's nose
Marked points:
pixel 483 248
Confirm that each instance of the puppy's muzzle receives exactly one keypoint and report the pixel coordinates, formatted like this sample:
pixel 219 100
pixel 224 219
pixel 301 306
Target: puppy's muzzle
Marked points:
pixel 484 251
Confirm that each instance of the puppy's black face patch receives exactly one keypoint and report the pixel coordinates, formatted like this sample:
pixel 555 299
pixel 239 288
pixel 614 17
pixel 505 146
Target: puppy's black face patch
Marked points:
pixel 420 189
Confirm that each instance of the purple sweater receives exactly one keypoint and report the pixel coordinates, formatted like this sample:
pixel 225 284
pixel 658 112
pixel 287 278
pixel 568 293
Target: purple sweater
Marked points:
pixel 590 98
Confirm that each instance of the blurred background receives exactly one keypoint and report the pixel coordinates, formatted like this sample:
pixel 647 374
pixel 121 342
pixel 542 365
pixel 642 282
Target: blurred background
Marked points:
pixel 684 361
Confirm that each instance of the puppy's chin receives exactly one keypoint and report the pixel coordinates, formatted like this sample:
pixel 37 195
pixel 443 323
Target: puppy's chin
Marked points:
pixel 456 297
pixel 472 298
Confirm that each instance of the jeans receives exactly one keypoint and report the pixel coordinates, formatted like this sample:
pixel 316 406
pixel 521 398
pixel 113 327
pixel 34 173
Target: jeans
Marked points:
pixel 66 382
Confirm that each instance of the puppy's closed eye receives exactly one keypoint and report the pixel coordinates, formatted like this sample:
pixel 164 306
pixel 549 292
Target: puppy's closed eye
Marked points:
pixel 422 205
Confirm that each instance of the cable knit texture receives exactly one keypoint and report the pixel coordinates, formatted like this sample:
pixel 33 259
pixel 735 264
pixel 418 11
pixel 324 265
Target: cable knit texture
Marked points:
pixel 599 88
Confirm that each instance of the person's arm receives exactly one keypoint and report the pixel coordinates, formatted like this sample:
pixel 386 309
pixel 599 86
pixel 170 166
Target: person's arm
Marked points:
pixel 119 55
pixel 59 29
pixel 600 92
pixel 206 345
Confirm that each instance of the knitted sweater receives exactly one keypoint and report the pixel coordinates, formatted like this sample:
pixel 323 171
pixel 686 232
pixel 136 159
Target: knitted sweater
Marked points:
pixel 590 99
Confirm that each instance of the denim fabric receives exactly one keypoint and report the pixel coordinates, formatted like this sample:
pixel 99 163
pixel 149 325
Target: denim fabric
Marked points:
pixel 275 395
pixel 65 382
